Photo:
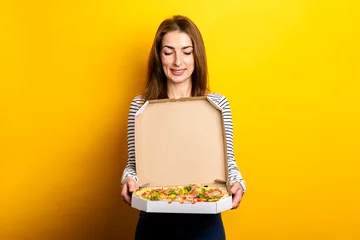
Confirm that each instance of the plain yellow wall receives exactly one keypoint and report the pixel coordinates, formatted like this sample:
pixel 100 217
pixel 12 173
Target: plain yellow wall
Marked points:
pixel 69 70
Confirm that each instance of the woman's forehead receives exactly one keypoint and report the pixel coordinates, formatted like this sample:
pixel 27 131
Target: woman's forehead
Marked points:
pixel 176 39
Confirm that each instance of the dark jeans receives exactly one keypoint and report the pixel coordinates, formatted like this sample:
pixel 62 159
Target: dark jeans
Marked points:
pixel 172 226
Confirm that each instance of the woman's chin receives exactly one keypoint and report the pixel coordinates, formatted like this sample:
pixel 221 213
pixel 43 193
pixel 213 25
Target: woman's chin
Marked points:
pixel 178 80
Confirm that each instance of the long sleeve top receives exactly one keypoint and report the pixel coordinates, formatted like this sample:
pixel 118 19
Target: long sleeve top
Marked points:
pixel 234 174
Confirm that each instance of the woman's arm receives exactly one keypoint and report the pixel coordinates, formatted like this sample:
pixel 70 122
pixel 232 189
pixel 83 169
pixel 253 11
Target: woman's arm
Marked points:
pixel 130 169
pixel 234 174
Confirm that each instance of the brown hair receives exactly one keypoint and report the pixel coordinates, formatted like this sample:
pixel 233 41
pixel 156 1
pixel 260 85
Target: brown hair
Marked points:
pixel 156 83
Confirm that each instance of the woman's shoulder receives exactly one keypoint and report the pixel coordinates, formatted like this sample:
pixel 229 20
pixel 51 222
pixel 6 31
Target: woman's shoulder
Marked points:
pixel 218 98
pixel 138 101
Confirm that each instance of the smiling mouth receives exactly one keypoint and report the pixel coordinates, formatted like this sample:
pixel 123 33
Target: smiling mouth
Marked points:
pixel 177 72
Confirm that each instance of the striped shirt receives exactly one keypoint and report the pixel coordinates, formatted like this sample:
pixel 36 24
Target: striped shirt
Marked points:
pixel 234 174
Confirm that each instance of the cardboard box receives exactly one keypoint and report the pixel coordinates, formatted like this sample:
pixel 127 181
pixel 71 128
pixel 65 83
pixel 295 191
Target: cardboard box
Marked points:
pixel 181 142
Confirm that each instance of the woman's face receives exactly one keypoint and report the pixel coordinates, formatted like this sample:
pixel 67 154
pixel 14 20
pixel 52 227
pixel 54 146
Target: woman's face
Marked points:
pixel 177 57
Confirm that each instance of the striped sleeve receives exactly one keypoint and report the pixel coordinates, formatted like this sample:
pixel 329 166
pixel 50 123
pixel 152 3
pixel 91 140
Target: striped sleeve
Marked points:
pixel 234 173
pixel 130 169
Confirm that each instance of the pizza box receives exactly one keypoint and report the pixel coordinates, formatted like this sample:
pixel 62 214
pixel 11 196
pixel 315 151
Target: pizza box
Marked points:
pixel 181 142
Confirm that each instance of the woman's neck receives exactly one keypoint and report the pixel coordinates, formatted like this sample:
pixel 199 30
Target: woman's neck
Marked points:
pixel 179 90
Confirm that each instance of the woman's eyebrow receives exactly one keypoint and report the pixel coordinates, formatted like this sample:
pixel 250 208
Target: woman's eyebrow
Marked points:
pixel 167 46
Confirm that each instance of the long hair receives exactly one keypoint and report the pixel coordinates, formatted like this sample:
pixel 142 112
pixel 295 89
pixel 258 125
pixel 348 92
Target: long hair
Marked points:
pixel 156 82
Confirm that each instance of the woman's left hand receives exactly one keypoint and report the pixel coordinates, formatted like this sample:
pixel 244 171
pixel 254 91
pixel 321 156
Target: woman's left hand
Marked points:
pixel 237 193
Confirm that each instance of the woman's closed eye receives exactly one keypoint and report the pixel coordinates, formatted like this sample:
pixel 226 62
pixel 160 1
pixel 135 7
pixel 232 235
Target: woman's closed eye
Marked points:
pixel 170 53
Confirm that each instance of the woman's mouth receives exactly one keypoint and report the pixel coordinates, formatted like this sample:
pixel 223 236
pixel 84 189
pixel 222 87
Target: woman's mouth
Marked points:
pixel 177 72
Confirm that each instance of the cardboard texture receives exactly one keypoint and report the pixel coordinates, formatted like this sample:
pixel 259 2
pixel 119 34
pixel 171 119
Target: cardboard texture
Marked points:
pixel 180 142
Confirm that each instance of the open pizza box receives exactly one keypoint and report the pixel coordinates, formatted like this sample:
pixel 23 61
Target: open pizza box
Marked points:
pixel 181 142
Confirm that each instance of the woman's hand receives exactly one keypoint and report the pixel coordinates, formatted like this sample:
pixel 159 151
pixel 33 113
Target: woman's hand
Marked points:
pixel 237 193
pixel 127 189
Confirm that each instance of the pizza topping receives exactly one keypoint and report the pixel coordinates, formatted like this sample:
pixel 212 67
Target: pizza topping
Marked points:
pixel 187 188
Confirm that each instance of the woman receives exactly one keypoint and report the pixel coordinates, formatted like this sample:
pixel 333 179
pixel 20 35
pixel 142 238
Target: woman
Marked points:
pixel 177 68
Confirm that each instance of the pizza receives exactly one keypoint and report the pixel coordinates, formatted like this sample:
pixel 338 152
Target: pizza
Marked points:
pixel 182 194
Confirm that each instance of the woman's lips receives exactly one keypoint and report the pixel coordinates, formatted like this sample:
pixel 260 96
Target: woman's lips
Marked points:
pixel 177 72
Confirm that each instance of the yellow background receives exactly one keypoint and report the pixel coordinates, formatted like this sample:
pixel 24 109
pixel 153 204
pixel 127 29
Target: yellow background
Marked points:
pixel 69 70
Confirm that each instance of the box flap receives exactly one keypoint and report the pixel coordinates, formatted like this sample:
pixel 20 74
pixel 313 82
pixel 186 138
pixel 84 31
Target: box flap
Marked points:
pixel 180 142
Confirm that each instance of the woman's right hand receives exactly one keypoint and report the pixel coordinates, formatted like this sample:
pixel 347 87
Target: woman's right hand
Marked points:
pixel 127 189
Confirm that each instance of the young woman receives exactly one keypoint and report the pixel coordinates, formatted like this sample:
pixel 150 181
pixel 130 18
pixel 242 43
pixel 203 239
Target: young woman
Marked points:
pixel 177 68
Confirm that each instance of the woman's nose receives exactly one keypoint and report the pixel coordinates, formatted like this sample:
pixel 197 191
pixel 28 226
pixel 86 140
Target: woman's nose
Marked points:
pixel 177 60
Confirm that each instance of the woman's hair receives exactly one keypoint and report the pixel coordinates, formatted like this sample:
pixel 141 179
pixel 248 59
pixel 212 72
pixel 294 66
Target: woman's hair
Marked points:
pixel 156 83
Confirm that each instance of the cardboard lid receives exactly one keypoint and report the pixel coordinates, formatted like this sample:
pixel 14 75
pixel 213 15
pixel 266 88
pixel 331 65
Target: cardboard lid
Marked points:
pixel 180 142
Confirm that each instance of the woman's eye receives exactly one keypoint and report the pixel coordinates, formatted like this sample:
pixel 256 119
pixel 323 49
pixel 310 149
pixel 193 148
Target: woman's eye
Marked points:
pixel 167 53
pixel 187 53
